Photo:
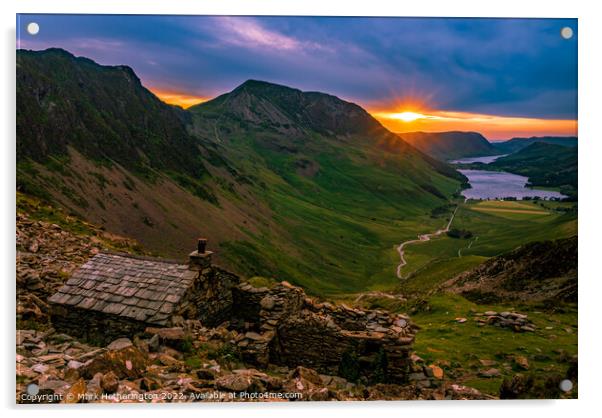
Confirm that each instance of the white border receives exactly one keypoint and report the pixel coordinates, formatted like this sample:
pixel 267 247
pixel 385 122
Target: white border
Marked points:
pixel 506 8
pixel 590 133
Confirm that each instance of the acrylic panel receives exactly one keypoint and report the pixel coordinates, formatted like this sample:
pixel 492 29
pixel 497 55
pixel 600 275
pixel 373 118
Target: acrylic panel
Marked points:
pixel 242 208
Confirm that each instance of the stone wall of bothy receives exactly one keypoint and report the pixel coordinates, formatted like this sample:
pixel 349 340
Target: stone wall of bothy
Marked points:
pixel 284 326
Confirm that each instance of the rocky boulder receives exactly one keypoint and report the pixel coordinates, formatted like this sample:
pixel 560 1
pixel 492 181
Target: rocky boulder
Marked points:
pixel 234 382
pixel 109 382
pixel 175 337
pixel 125 363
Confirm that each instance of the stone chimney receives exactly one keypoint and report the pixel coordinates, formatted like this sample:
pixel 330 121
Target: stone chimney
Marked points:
pixel 201 258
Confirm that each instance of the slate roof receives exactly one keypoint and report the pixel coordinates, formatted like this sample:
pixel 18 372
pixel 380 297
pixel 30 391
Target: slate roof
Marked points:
pixel 138 288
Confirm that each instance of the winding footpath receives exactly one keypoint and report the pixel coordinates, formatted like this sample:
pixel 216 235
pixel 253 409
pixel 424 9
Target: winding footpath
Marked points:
pixel 468 248
pixel 421 238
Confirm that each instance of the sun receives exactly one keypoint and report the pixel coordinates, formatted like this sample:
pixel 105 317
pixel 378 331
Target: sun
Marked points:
pixel 408 116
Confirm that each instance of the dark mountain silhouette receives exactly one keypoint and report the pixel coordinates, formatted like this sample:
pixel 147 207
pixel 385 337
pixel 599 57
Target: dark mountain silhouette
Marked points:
pixel 516 144
pixel 450 145
pixel 102 112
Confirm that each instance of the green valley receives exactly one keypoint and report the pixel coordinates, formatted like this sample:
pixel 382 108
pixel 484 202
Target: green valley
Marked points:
pixel 496 226
pixel 286 184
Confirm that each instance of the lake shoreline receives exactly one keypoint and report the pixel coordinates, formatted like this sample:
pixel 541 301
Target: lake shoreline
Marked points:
pixel 496 184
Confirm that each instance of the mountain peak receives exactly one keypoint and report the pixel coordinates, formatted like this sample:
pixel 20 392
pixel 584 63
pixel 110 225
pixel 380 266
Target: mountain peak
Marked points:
pixel 261 84
pixel 262 102
pixel 43 57
pixel 48 51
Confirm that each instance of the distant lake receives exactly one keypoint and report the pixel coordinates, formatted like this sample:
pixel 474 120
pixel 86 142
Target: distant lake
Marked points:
pixel 484 160
pixel 499 184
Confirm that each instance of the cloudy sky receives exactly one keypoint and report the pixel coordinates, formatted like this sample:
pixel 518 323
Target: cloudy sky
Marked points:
pixel 502 77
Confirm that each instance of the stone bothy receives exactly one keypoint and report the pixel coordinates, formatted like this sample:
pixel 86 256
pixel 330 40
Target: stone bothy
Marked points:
pixel 118 295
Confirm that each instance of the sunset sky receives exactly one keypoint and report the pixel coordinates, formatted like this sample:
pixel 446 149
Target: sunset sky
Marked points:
pixel 501 77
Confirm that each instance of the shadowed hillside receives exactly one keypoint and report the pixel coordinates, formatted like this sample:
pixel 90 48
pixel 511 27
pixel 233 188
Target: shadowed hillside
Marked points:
pixel 102 112
pixel 540 271
pixel 450 145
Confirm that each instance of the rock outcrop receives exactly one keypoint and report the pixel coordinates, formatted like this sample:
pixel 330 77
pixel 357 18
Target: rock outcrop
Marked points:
pixel 537 272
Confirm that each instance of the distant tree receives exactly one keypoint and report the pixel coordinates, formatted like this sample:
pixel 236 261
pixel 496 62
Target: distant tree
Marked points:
pixel 459 233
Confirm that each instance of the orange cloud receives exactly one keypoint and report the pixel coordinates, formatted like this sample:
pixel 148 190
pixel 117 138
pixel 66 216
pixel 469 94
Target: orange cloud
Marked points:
pixel 179 99
pixel 491 126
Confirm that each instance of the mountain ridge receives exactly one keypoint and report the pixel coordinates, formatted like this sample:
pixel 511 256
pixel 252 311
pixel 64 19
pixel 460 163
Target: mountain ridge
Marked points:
pixel 48 111
pixel 516 144
pixel 449 145
pixel 319 111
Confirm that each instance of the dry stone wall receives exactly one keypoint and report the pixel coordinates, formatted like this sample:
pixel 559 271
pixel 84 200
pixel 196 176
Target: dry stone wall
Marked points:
pixel 246 306
pixel 210 300
pixel 95 327
pixel 291 329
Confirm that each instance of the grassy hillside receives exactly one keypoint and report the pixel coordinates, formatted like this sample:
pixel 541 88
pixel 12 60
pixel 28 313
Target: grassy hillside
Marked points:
pixel 543 271
pixel 464 350
pixel 483 356
pixel 450 335
pixel 450 145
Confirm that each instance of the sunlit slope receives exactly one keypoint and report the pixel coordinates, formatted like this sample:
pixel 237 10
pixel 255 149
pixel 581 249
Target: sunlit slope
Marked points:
pixel 342 189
